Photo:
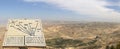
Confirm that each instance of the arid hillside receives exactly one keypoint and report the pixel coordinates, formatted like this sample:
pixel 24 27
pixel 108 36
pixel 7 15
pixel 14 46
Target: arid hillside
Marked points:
pixel 105 33
pixel 78 30
pixel 95 35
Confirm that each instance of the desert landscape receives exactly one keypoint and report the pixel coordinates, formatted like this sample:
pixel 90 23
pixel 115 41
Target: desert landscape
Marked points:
pixel 77 35
pixel 66 24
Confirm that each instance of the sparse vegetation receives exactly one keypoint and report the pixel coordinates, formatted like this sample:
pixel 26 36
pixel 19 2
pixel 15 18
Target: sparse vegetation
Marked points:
pixel 117 46
pixel 62 43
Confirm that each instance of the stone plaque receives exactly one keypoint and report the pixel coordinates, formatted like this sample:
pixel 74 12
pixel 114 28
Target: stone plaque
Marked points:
pixel 24 32
pixel 34 41
pixel 14 41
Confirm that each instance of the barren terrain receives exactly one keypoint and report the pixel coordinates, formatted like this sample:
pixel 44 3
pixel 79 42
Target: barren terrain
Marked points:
pixel 94 35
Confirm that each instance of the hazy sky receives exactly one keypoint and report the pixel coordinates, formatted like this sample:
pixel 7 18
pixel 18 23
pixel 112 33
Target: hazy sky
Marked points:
pixel 74 10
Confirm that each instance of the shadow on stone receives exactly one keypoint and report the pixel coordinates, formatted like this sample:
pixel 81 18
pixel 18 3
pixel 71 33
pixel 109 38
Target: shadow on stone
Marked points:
pixel 23 48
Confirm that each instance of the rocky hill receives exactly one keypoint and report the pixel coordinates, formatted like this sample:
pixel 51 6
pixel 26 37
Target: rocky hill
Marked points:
pixel 78 35
pixel 105 33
